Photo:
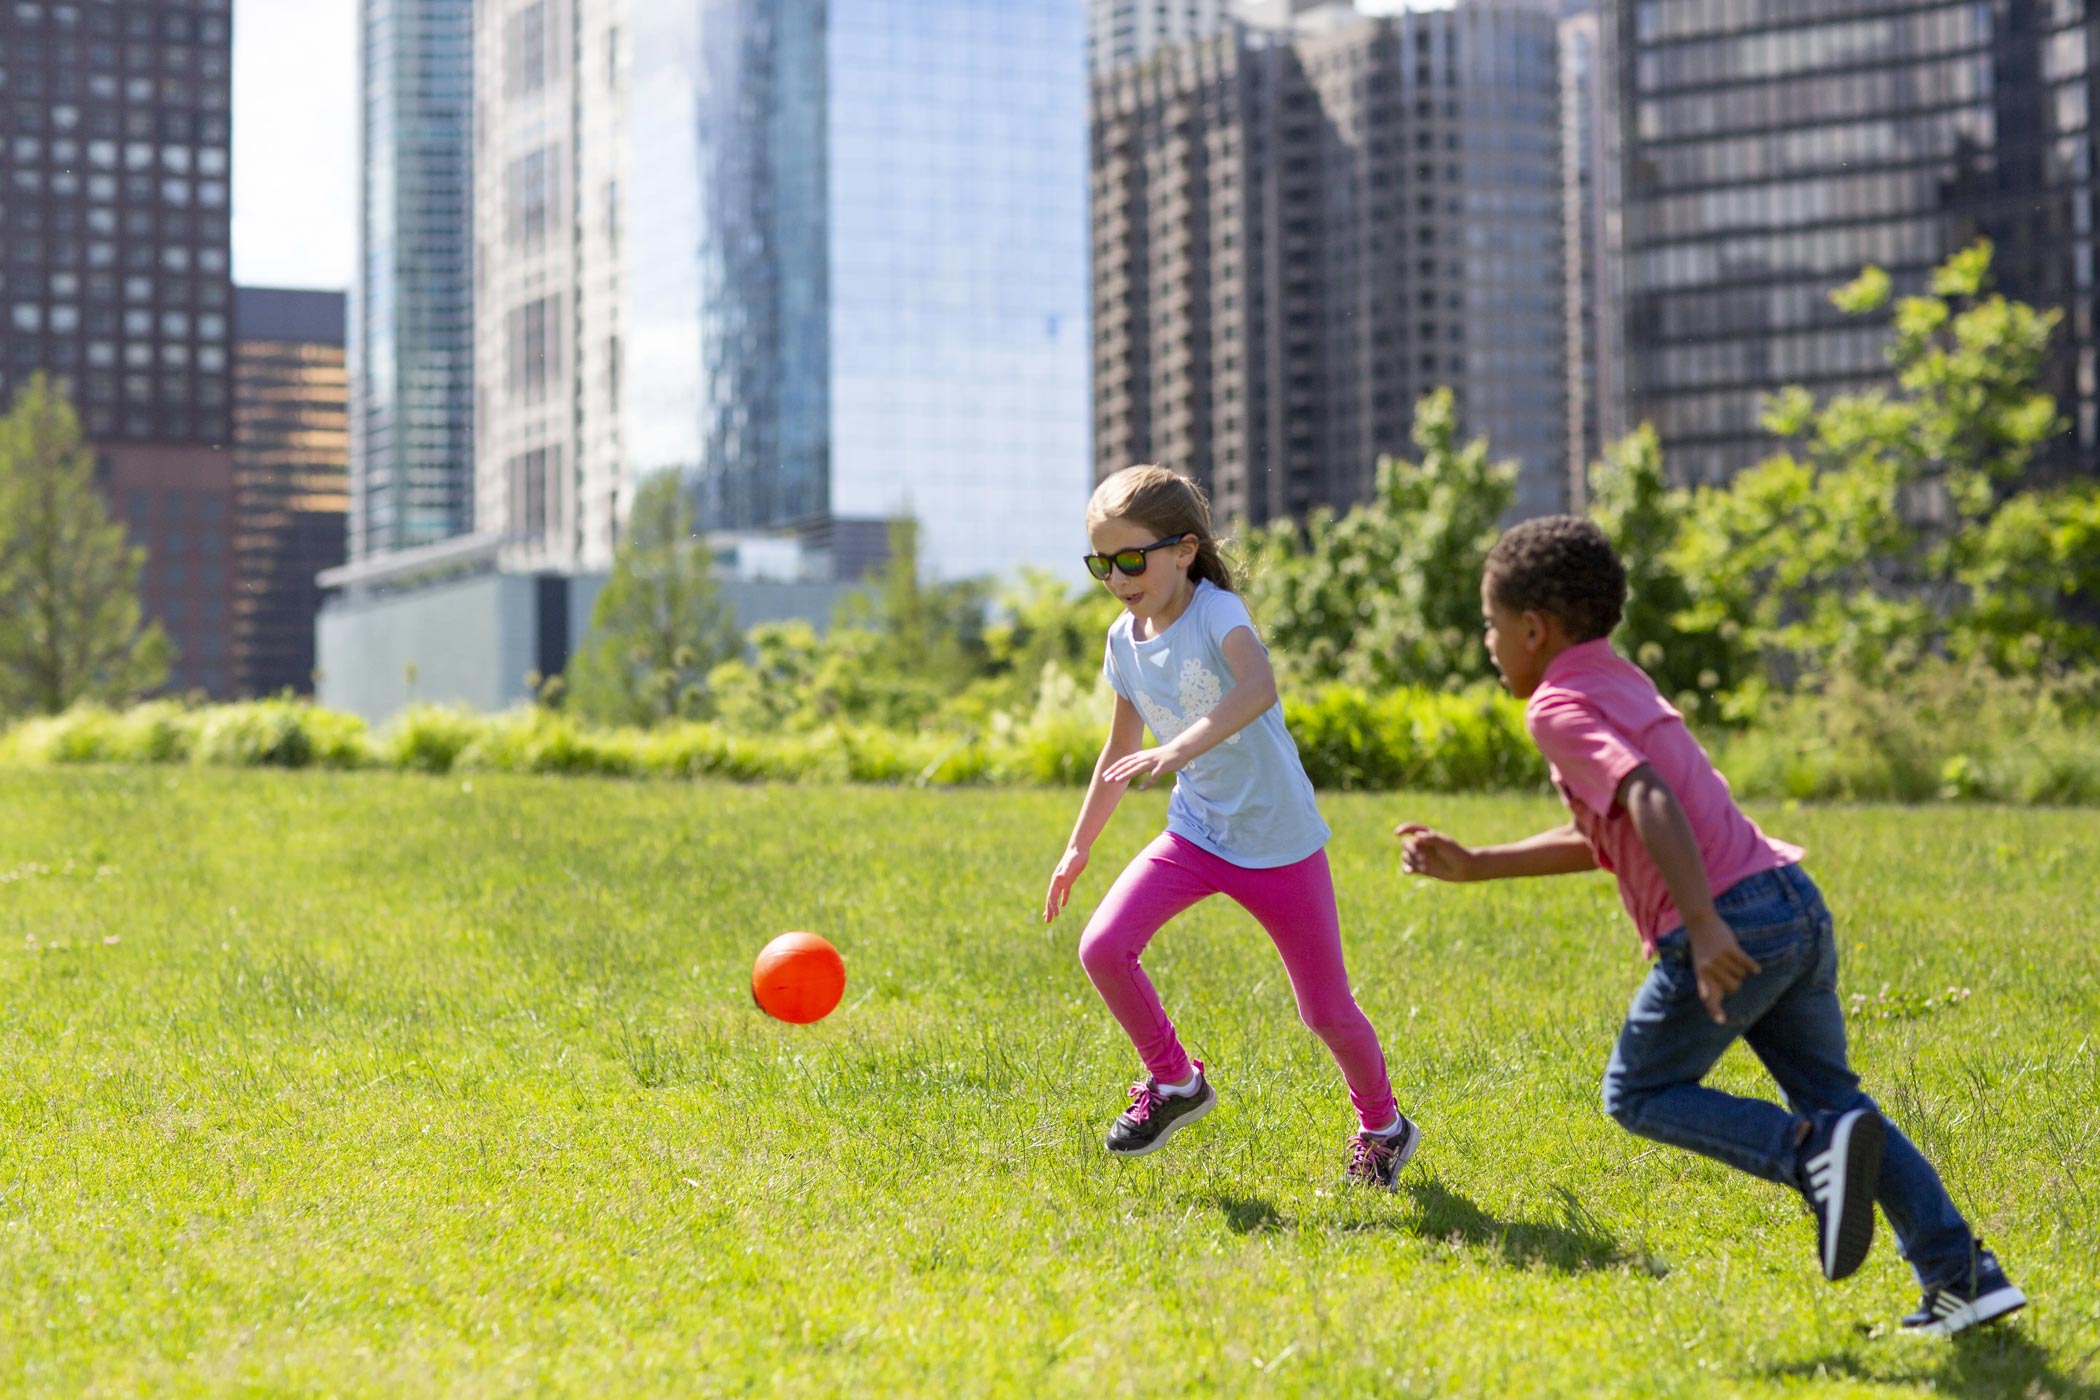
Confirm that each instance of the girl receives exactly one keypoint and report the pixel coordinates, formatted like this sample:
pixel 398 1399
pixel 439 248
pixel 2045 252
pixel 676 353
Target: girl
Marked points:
pixel 1184 659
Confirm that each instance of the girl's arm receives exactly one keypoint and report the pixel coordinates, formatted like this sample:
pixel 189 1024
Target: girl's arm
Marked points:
pixel 1561 851
pixel 1125 732
pixel 1253 692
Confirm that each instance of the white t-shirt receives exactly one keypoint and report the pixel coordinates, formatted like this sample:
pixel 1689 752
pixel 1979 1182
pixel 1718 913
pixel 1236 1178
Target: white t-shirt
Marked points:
pixel 1248 799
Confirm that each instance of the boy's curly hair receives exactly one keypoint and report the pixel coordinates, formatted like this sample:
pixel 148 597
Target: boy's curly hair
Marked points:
pixel 1561 565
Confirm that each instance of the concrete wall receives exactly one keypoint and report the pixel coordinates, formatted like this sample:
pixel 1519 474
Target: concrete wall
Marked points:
pixel 473 641
pixel 465 642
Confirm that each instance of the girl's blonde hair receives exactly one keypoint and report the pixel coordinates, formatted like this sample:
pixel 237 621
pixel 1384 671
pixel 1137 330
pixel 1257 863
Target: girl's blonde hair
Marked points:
pixel 1167 503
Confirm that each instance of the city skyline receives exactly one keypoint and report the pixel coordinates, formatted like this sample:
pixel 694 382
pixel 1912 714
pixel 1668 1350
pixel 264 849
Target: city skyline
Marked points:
pixel 295 140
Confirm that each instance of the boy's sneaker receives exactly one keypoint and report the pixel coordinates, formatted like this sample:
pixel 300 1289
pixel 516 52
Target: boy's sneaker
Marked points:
pixel 1153 1117
pixel 1375 1159
pixel 1839 1167
pixel 1982 1296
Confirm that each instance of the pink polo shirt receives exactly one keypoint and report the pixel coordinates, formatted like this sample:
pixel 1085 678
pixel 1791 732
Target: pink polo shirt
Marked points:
pixel 1596 718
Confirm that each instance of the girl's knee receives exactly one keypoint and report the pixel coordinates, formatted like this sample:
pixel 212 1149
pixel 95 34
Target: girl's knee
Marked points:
pixel 1100 950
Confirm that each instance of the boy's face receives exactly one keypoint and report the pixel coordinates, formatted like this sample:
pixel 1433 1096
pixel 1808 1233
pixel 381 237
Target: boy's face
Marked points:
pixel 1518 642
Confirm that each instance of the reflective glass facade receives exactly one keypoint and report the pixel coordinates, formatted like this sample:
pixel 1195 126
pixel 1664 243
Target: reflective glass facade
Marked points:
pixel 1775 146
pixel 291 463
pixel 412 309
pixel 857 251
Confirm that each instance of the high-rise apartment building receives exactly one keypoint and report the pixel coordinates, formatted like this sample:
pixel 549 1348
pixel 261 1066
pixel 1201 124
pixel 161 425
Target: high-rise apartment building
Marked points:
pixel 1122 32
pixel 1772 147
pixel 1300 229
pixel 412 308
pixel 115 133
pixel 291 459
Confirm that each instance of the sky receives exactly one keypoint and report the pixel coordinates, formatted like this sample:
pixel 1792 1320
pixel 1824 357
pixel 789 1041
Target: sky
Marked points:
pixel 294 143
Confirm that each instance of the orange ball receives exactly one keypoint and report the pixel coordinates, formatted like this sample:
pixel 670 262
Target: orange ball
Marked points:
pixel 799 977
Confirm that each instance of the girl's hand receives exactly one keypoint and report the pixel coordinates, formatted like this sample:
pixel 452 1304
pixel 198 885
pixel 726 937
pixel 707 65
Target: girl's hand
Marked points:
pixel 1428 852
pixel 1149 762
pixel 1061 881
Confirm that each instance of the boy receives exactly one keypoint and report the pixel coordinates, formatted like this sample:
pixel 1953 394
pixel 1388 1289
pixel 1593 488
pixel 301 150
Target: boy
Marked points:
pixel 1743 944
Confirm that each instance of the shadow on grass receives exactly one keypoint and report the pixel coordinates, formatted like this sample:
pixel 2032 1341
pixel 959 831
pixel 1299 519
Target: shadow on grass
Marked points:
pixel 1984 1364
pixel 1248 1215
pixel 1576 1243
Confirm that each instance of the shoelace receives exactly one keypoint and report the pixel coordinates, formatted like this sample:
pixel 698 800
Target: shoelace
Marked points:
pixel 1366 1154
pixel 1143 1099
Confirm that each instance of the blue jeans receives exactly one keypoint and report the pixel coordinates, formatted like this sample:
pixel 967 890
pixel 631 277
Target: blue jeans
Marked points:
pixel 1788 1013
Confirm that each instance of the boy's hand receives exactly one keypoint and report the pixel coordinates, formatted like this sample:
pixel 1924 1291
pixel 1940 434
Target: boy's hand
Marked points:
pixel 1718 963
pixel 1061 881
pixel 1425 851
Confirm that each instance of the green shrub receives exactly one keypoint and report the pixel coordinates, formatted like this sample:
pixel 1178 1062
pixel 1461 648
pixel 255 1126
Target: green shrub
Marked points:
pixel 429 738
pixel 263 733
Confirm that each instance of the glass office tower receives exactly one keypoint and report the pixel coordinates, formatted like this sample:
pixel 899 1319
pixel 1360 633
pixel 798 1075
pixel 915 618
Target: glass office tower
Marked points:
pixel 412 309
pixel 858 271
pixel 1775 146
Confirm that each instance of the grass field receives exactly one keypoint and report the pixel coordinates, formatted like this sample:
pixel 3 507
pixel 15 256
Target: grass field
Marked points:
pixel 378 1085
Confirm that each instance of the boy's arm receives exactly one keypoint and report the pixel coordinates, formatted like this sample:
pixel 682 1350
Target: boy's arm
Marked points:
pixel 1126 731
pixel 1718 961
pixel 1561 851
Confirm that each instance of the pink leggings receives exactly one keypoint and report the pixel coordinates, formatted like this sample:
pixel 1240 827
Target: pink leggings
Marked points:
pixel 1294 903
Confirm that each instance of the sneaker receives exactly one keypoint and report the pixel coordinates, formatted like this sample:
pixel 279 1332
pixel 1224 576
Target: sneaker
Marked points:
pixel 1838 1177
pixel 1153 1117
pixel 1983 1295
pixel 1375 1159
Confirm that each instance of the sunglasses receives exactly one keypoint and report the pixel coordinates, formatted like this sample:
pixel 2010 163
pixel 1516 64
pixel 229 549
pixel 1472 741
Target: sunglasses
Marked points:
pixel 1130 561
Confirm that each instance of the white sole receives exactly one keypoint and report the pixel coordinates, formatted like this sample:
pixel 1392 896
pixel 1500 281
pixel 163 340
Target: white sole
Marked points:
pixel 1210 1102
pixel 1992 1305
pixel 1853 1181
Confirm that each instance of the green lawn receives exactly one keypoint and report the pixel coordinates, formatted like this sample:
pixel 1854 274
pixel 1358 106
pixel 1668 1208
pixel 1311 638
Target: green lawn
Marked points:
pixel 380 1085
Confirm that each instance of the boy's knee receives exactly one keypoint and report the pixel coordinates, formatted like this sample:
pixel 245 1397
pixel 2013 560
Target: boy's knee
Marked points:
pixel 1621 1103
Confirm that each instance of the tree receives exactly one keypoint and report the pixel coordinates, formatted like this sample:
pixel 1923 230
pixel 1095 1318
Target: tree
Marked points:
pixel 1632 502
pixel 1389 593
pixel 1895 529
pixel 660 625
pixel 69 601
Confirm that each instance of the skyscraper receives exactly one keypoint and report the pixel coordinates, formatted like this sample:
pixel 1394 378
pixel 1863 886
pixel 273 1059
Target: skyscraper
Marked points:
pixel 1301 228
pixel 1775 146
pixel 551 138
pixel 412 308
pixel 1123 32
pixel 291 460
pixel 1590 245
pixel 856 271
pixel 115 126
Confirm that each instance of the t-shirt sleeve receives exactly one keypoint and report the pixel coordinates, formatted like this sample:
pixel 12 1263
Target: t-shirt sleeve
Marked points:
pixel 1593 758
pixel 1108 669
pixel 1225 614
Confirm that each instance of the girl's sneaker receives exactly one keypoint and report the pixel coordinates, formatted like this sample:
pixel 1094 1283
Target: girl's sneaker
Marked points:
pixel 1375 1159
pixel 1985 1294
pixel 1153 1117
pixel 1838 1169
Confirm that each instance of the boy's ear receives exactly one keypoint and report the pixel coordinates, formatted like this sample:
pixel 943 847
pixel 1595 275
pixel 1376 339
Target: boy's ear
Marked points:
pixel 1538 626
